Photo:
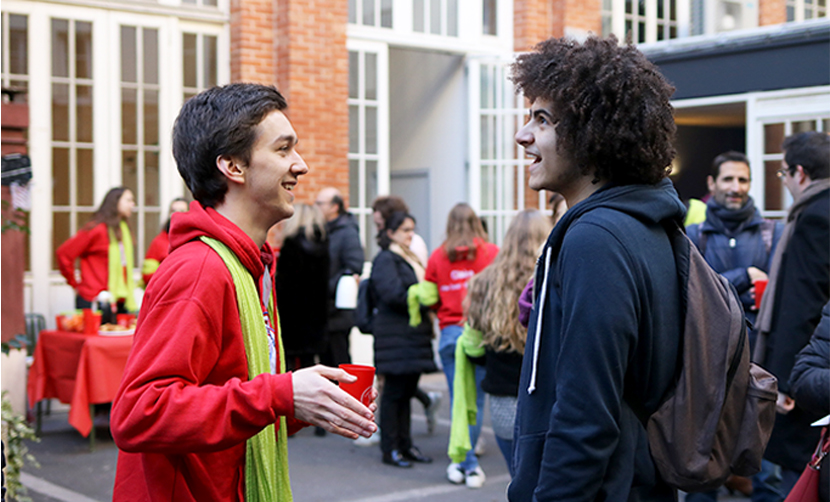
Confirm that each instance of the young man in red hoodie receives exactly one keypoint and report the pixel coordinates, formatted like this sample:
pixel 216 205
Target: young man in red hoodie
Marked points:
pixel 189 407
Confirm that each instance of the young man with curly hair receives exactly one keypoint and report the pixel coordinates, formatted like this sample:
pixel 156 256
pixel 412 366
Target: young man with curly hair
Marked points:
pixel 604 331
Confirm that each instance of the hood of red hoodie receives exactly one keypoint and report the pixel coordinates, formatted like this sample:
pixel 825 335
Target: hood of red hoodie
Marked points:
pixel 199 221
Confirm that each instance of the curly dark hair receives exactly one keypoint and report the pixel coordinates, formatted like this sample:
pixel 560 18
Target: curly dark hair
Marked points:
pixel 610 104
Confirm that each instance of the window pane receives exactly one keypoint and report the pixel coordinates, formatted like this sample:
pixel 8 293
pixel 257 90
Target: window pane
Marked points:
pixel 129 133
pixel 83 50
pixel 86 178
pixel 435 17
pixel 369 12
pixel 210 3
pixel 660 9
pixel 353 11
pixel 151 117
pixel 386 13
pixel 804 126
pixel 371 61
pixel 485 137
pixel 354 183
pixel 629 7
pixel 354 129
pixel 151 57
pixel 607 5
pixel 60 233
pixel 641 33
pixel 606 26
pixel 418 15
pixel 129 170
pixel 189 59
pixel 825 125
pixel 452 18
pixel 371 129
pixel 641 7
pixel 773 137
pixel 489 27
pixel 60 176
pixel 128 52
pixel 151 179
pixel 84 110
pixel 18 45
pixel 354 76
pixel 371 181
pixel 151 230
pixel 790 13
pixel 60 112
pixel 60 48
pixel 672 9
pixel 773 188
pixel 210 61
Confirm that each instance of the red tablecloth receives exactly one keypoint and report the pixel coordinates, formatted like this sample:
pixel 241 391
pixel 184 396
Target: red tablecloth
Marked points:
pixel 78 369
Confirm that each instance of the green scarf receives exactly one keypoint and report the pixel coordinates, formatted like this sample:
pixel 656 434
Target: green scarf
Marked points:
pixel 421 293
pixel 266 456
pixel 116 285
pixel 464 410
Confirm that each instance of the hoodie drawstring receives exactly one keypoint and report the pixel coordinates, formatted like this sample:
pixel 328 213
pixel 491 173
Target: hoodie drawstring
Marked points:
pixel 540 307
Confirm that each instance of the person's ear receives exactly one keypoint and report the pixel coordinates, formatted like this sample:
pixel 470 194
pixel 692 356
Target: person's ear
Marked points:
pixel 231 168
pixel 710 183
pixel 799 174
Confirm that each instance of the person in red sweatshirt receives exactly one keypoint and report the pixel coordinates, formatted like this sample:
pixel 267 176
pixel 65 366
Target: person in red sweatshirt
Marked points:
pixel 104 247
pixel 464 253
pixel 196 417
pixel 160 246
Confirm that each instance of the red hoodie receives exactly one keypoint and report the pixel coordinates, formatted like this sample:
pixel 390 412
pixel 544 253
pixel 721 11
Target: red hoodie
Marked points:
pixel 452 277
pixel 185 407
pixel 91 246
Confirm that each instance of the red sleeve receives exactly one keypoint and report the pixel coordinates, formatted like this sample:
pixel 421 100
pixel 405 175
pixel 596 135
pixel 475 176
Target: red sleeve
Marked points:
pixel 70 250
pixel 185 387
pixel 433 264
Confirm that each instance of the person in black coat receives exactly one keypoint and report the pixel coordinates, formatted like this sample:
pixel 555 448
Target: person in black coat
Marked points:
pixel 302 286
pixel 402 352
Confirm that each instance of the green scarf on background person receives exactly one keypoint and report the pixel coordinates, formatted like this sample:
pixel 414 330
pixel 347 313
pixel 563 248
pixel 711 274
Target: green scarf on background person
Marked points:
pixel 266 455
pixel 118 287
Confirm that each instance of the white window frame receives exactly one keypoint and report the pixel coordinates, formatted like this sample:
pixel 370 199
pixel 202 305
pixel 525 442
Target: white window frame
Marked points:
pixel 363 209
pixel 799 8
pixel 7 75
pixel 619 17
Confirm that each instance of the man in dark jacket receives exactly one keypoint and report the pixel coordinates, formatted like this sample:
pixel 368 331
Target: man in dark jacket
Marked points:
pixel 345 259
pixel 735 239
pixel 604 331
pixel 799 286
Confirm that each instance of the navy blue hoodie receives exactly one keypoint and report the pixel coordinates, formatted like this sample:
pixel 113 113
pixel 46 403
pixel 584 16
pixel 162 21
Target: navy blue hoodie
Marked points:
pixel 604 332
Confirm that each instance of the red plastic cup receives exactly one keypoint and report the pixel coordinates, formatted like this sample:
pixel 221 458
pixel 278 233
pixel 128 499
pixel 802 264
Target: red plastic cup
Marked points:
pixel 92 322
pixel 362 388
pixel 124 320
pixel 760 286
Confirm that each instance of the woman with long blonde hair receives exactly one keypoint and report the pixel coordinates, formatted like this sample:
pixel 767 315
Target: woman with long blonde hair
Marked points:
pixel 493 310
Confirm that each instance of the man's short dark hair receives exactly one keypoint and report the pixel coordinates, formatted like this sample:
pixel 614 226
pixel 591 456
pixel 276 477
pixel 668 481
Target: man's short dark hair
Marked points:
pixel 341 205
pixel 811 151
pixel 221 121
pixel 610 105
pixel 730 156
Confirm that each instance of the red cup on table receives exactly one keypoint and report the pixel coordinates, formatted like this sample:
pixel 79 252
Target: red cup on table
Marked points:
pixel 124 320
pixel 362 388
pixel 760 286
pixel 92 322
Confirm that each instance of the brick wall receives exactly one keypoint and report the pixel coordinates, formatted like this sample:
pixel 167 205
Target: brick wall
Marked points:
pixel 583 16
pixel 533 22
pixel 301 47
pixel 772 12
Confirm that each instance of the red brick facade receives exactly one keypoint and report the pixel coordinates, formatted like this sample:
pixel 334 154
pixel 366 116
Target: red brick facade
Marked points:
pixel 772 12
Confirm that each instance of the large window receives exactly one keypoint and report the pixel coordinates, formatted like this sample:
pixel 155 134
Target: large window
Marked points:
pixel 371 12
pixel 140 129
pixel 199 55
pixel 73 172
pixel 776 197
pixel 15 66
pixel 802 10
pixel 438 17
pixel 644 21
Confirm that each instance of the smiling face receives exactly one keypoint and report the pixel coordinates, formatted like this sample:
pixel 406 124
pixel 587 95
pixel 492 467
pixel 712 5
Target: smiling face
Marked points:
pixel 126 204
pixel 731 188
pixel 403 235
pixel 550 169
pixel 274 167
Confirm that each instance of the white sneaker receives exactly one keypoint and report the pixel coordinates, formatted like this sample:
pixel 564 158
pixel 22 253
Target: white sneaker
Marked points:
pixel 432 409
pixel 455 474
pixel 481 446
pixel 475 478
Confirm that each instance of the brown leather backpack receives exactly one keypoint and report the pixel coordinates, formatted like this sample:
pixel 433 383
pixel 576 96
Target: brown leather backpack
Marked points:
pixel 718 418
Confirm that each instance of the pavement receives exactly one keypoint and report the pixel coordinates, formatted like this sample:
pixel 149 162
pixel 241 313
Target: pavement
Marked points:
pixel 323 469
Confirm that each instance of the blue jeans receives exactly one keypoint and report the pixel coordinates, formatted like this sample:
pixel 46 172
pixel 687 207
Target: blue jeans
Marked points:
pixel 773 483
pixel 446 349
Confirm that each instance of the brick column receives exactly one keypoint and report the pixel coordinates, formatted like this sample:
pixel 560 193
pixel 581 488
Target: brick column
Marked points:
pixel 533 22
pixel 583 16
pixel 313 73
pixel 253 41
pixel 772 12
